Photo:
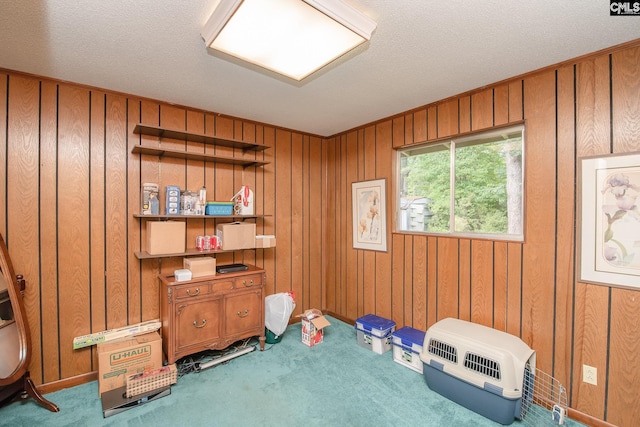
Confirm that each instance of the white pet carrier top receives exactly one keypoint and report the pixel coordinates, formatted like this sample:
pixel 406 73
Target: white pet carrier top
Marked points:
pixel 479 355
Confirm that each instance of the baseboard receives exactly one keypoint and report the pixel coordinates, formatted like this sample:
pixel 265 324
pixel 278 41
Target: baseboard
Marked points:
pixel 339 317
pixel 68 382
pixel 588 419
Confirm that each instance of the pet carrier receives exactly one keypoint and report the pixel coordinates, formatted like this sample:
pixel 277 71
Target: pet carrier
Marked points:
pixel 486 370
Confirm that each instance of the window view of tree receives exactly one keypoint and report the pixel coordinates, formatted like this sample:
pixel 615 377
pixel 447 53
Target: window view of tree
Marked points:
pixel 468 186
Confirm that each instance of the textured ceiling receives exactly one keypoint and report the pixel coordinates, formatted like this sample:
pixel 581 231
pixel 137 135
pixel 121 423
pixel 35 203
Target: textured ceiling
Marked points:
pixel 421 51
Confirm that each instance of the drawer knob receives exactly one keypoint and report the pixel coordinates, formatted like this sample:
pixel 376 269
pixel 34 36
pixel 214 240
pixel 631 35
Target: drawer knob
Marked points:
pixel 197 292
pixel 245 314
pixel 204 322
pixel 244 282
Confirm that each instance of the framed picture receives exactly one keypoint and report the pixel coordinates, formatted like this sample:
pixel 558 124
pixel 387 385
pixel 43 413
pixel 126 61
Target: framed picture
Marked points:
pixel 609 220
pixel 369 215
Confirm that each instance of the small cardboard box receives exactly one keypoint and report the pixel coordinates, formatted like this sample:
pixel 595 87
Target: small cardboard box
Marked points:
pixel 313 323
pixel 166 237
pixel 265 241
pixel 200 266
pixel 121 358
pixel 236 235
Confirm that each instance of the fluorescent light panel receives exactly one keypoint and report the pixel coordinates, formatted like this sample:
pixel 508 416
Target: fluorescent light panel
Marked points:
pixel 294 38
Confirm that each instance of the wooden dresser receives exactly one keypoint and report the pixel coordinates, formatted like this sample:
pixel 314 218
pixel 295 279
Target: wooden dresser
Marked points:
pixel 210 313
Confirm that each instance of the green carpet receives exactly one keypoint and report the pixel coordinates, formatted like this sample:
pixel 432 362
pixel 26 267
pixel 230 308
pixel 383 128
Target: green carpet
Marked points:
pixel 336 383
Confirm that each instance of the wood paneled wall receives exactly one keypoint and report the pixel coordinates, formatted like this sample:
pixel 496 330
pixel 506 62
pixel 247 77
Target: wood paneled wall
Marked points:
pixel 586 107
pixel 70 186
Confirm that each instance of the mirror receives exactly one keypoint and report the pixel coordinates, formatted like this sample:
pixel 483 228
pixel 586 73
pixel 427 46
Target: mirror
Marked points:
pixel 15 339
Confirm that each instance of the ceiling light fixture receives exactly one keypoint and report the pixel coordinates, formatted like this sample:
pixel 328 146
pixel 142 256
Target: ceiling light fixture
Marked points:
pixel 294 38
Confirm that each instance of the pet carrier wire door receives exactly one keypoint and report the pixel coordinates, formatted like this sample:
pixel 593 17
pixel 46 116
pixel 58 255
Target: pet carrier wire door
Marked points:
pixel 546 402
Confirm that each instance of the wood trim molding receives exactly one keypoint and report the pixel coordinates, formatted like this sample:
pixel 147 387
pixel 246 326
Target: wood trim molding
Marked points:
pixel 68 382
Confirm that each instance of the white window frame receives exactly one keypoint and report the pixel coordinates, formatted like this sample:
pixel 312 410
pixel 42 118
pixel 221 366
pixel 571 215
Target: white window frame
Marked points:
pixel 452 142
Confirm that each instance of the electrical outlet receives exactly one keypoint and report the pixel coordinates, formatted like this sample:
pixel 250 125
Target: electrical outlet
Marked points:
pixel 590 374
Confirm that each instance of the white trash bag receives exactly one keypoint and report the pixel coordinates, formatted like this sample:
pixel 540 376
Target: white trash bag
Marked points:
pixel 278 309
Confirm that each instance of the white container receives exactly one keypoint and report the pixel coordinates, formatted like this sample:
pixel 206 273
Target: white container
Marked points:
pixel 374 333
pixel 481 368
pixel 182 275
pixel 407 346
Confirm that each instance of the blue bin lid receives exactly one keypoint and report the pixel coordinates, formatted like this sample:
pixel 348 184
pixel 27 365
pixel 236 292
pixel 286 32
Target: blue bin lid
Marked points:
pixel 410 336
pixel 371 321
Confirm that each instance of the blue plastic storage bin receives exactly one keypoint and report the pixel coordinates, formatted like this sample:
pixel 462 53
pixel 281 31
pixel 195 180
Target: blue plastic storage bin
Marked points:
pixel 374 333
pixel 407 344
pixel 219 208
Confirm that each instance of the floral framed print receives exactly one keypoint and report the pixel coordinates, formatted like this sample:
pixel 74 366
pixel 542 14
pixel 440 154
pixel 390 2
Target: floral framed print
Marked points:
pixel 369 215
pixel 609 220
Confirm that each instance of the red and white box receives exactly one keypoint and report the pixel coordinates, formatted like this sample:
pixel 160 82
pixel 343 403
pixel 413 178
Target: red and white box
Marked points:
pixel 313 324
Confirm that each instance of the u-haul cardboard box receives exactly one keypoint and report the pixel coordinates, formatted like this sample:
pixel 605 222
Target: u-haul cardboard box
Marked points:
pixel 121 358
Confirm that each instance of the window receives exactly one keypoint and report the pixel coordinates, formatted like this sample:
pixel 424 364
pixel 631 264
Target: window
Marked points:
pixel 470 186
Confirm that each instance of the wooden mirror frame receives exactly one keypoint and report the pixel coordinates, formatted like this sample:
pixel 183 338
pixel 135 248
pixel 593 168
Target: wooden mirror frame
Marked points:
pixel 19 316
pixel 18 382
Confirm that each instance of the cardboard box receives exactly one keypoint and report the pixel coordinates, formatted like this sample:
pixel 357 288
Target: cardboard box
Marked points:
pixel 236 235
pixel 265 241
pixel 313 324
pixel 166 237
pixel 119 359
pixel 200 266
pixel 114 334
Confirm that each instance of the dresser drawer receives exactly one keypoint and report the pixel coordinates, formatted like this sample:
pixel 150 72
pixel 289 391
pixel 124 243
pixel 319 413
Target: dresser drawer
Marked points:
pixel 248 281
pixel 193 290
pixel 222 285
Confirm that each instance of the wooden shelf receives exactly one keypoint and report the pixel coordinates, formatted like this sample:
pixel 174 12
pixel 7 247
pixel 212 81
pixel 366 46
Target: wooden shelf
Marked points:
pixel 181 154
pixel 196 137
pixel 159 132
pixel 188 252
pixel 236 217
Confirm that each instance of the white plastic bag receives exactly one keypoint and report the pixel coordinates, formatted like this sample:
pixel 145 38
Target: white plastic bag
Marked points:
pixel 278 309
